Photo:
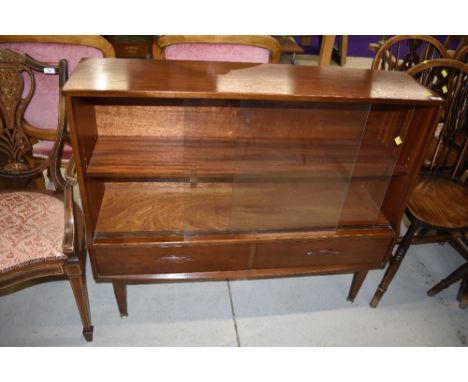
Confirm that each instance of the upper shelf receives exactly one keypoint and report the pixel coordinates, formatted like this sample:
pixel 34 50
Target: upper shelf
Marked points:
pixel 96 77
pixel 135 156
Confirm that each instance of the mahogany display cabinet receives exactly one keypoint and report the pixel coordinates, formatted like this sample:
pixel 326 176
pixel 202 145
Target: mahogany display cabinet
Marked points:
pixel 214 170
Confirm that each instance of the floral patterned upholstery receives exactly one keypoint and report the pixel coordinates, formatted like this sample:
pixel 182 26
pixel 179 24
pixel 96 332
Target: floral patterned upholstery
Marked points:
pixel 31 226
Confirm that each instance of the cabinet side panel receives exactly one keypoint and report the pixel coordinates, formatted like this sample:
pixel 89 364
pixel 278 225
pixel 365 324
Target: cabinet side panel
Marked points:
pixel 83 136
pixel 418 137
pixel 377 161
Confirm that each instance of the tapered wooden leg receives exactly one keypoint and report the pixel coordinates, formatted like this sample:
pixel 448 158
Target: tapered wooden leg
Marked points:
pixel 358 279
pixel 120 291
pixel 463 293
pixel 78 284
pixel 394 264
pixel 456 275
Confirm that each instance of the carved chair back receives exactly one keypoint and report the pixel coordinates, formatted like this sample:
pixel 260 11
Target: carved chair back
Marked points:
pixel 17 87
pixel 403 52
pixel 41 115
pixel 449 78
pixel 255 49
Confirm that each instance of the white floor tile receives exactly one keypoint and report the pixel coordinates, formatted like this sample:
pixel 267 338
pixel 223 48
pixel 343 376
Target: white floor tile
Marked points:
pixel 312 311
pixel 170 314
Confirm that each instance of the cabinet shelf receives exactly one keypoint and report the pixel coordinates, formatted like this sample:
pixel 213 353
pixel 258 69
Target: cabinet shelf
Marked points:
pixel 174 208
pixel 153 157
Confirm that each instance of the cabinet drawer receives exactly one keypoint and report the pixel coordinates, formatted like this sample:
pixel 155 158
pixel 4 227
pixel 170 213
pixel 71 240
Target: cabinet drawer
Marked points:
pixel 140 259
pixel 324 251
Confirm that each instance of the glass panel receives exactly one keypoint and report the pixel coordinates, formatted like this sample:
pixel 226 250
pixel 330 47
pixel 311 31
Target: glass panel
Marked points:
pixel 209 145
pixel 294 164
pixel 264 166
pixel 376 163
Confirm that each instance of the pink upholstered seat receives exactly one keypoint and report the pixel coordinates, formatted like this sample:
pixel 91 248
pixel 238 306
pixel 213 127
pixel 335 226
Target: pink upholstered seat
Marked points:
pixel 217 52
pixel 31 226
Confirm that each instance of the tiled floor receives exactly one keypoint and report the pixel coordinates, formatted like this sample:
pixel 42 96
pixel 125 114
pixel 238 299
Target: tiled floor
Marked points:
pixel 302 311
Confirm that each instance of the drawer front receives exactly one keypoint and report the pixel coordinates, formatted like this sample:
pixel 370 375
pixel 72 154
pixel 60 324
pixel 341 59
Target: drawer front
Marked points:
pixel 324 251
pixel 139 259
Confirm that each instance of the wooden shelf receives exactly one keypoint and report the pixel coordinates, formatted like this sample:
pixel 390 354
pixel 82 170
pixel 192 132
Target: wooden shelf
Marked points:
pixel 152 157
pixel 175 208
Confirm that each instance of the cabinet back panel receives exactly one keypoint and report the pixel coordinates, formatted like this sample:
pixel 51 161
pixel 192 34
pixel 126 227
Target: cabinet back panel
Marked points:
pixel 230 119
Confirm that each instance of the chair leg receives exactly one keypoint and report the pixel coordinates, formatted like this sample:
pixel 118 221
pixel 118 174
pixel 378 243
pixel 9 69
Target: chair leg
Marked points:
pixel 456 275
pixel 78 284
pixel 120 291
pixel 463 293
pixel 394 264
pixel 358 279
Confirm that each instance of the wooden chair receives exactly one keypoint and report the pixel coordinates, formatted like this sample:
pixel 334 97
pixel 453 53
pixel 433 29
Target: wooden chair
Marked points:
pixel 403 52
pixel 256 49
pixel 41 115
pixel 42 232
pixel 439 201
pixel 461 54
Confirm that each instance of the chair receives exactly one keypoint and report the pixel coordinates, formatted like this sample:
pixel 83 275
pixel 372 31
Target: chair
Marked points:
pixel 42 231
pixel 403 52
pixel 461 54
pixel 256 49
pixel 41 115
pixel 439 201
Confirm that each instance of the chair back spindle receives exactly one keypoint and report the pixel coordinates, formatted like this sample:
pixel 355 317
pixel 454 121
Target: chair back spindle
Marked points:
pixel 449 78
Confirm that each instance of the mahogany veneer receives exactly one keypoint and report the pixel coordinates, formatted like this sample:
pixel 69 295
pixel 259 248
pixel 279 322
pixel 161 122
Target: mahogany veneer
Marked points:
pixel 215 170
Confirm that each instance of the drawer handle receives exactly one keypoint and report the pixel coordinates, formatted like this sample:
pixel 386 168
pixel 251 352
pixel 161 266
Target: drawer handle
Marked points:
pixel 327 252
pixel 174 259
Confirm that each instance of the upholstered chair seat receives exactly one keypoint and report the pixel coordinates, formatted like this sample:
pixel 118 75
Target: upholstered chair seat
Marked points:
pixel 31 226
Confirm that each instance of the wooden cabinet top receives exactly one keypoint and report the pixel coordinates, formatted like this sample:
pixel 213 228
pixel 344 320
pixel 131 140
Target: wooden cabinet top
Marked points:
pixel 96 77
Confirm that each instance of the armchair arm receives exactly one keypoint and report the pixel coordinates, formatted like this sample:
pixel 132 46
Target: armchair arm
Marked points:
pixel 43 134
pixel 70 233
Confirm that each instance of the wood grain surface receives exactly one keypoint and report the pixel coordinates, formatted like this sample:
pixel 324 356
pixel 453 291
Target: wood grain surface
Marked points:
pixel 439 202
pixel 226 80
pixel 178 208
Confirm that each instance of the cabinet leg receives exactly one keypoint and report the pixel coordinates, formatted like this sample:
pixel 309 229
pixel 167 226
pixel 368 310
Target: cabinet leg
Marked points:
pixel 358 279
pixel 394 264
pixel 80 291
pixel 120 291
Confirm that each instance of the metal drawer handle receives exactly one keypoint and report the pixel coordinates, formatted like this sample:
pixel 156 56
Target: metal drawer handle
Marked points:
pixel 327 252
pixel 174 259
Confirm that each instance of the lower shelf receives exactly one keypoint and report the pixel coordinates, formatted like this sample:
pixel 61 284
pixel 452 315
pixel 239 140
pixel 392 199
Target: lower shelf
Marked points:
pixel 179 209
